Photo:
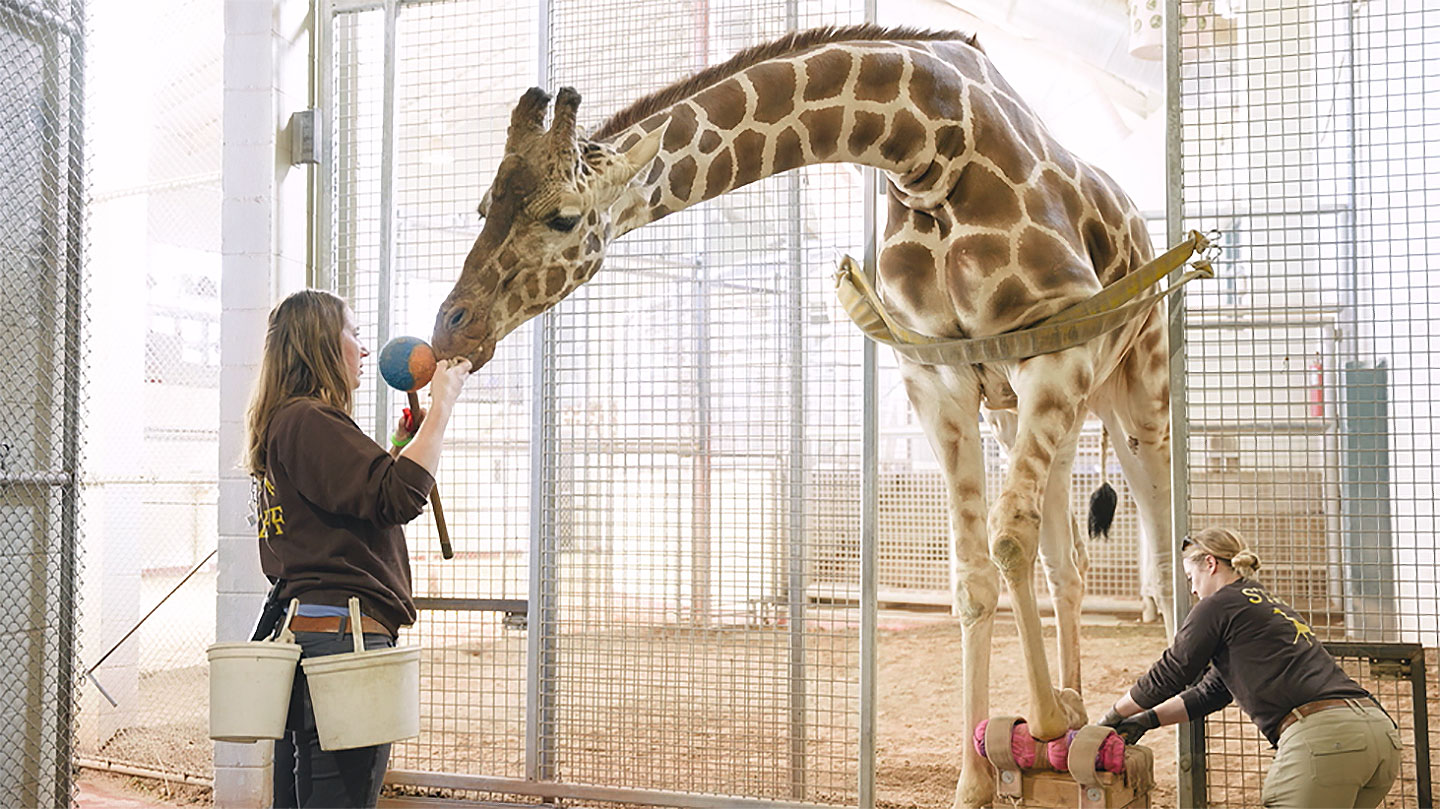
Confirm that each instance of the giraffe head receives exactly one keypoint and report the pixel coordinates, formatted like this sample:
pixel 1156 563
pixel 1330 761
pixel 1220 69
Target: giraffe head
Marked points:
pixel 547 223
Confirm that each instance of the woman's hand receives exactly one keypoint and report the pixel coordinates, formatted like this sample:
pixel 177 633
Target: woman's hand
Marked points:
pixel 409 424
pixel 449 380
pixel 1131 728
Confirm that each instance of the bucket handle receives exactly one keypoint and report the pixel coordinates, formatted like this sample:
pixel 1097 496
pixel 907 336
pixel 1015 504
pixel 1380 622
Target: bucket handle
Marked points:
pixel 285 635
pixel 356 631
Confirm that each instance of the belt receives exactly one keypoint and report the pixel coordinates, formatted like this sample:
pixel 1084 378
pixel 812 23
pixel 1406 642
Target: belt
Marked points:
pixel 336 624
pixel 1320 705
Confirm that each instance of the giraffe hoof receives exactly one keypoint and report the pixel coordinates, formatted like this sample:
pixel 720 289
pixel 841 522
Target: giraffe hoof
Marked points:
pixel 975 790
pixel 1073 706
pixel 1148 611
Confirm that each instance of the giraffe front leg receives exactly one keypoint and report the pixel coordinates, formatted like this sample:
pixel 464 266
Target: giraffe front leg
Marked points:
pixel 977 591
pixel 1051 391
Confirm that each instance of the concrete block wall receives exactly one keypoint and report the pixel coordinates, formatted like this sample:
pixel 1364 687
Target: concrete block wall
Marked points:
pixel 265 227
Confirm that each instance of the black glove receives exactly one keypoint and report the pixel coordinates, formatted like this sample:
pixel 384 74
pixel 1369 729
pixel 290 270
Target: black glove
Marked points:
pixel 1111 718
pixel 1131 728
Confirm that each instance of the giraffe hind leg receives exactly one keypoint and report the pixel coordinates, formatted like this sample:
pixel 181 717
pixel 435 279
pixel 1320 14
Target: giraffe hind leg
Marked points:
pixel 1134 404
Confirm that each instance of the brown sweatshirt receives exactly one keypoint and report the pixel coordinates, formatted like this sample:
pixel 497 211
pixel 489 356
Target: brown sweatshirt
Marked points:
pixel 1259 651
pixel 331 506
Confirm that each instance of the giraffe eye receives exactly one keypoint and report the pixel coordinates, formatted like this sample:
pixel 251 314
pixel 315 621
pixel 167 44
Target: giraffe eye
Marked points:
pixel 564 224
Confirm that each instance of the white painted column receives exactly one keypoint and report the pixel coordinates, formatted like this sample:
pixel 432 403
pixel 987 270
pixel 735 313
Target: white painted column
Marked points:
pixel 264 235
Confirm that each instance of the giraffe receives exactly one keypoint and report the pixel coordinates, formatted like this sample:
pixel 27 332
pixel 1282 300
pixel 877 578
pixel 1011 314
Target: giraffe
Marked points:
pixel 992 226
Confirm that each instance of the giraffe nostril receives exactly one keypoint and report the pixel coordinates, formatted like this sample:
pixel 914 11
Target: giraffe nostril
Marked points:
pixel 457 318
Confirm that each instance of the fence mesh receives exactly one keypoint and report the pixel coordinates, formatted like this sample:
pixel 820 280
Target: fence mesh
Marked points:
pixel 42 186
pixel 685 451
pixel 1307 128
pixel 154 131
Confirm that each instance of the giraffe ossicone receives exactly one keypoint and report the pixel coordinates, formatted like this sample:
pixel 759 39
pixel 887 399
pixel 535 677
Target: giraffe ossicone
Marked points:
pixel 992 226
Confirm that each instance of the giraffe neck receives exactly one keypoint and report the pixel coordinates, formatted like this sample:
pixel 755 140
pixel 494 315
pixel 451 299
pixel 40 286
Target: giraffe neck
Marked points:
pixel 840 103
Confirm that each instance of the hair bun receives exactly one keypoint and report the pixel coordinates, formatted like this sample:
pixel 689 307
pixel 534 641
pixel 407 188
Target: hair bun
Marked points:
pixel 1246 559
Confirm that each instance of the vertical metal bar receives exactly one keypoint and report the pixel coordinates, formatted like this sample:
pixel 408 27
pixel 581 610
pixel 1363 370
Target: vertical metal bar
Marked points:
pixel 70 439
pixel 1350 319
pixel 869 509
pixel 540 624
pixel 701 459
pixel 1191 736
pixel 1422 729
pixel 799 541
pixel 386 281
pixel 322 217
pixel 869 497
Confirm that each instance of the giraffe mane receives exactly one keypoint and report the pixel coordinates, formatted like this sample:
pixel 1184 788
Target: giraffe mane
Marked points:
pixel 793 42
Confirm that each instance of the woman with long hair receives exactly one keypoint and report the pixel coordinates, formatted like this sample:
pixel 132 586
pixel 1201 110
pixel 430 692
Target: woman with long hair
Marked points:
pixel 1334 744
pixel 330 504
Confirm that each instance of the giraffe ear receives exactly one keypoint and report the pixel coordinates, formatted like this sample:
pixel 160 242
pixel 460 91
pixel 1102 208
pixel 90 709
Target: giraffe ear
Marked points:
pixel 638 157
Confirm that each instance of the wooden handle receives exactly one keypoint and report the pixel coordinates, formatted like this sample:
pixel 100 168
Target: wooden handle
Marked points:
pixel 445 549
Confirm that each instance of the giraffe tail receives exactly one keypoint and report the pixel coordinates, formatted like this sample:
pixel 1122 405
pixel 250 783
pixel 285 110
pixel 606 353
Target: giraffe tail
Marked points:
pixel 1104 499
pixel 1102 510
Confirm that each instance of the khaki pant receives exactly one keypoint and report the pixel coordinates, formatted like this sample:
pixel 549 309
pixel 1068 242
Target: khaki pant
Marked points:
pixel 1343 757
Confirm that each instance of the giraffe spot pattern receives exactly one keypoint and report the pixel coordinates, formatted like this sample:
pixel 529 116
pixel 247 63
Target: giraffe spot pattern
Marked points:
pixel 1049 261
pixel 720 174
pixel 824 127
pixel 826 73
pixel 749 157
pixel 868 128
pixel 879 78
pixel 789 152
pixel 935 90
pixel 1010 300
pixel 682 128
pixel 724 104
pixel 775 87
pixel 908 270
pixel 969 261
pixel 950 141
pixel 982 199
pixel 682 177
pixel 709 141
pixel 907 136
pixel 995 140
pixel 554 282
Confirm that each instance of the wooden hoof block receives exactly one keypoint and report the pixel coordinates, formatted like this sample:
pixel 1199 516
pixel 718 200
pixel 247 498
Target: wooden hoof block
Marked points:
pixel 1040 789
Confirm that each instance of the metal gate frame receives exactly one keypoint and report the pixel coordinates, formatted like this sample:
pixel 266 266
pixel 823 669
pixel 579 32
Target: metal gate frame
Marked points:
pixel 538 611
pixel 41 575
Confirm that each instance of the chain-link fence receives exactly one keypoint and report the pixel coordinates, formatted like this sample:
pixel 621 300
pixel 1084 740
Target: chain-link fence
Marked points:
pixel 1307 134
pixel 155 137
pixel 42 187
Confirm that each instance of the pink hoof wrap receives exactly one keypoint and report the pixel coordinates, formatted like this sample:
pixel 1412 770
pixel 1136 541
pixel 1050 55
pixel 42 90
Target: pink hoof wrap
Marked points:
pixel 1022 745
pixel 1110 758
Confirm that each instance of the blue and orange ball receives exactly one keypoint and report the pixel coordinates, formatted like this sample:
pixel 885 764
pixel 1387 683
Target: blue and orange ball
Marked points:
pixel 407 363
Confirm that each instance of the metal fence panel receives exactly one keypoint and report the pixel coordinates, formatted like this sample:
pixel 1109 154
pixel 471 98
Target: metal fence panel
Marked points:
pixel 152 416
pixel 675 438
pixel 1306 131
pixel 41 236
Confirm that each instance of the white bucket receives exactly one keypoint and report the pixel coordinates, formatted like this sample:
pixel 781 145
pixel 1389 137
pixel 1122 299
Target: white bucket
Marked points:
pixel 250 686
pixel 364 698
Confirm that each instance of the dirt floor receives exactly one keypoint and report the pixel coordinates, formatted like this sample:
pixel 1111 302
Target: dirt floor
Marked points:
pixel 719 687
